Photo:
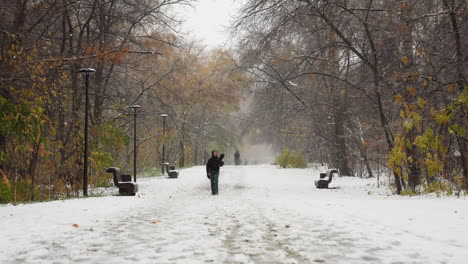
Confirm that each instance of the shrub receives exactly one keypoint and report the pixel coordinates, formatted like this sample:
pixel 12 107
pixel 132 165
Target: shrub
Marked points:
pixel 100 161
pixel 22 190
pixel 291 159
pixel 5 190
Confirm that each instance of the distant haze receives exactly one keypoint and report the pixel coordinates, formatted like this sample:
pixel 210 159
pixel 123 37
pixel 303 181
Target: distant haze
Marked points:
pixel 207 20
pixel 257 153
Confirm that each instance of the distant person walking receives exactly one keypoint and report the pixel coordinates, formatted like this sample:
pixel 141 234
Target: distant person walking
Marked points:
pixel 237 159
pixel 212 170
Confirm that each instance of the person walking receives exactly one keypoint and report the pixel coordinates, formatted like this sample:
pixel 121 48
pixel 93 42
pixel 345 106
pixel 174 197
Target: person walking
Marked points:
pixel 212 170
pixel 237 159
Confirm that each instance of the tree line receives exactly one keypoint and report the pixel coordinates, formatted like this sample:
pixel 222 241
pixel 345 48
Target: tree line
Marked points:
pixel 371 87
pixel 367 86
pixel 139 57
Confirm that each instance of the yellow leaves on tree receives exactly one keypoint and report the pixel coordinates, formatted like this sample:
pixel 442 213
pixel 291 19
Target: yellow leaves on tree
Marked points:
pixel 398 98
pixel 411 90
pixel 405 60
pixel 450 88
pixel 107 52
pixel 422 103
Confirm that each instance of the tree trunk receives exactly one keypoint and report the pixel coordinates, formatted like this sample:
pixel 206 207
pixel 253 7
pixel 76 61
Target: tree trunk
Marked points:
pixel 182 154
pixel 33 167
pixel 339 149
pixel 414 171
pixel 461 140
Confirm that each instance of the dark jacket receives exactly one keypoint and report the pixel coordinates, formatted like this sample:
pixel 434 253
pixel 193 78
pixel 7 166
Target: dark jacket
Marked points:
pixel 214 163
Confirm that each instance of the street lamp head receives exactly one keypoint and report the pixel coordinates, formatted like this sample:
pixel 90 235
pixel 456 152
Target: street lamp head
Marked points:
pixel 163 115
pixel 134 107
pixel 87 70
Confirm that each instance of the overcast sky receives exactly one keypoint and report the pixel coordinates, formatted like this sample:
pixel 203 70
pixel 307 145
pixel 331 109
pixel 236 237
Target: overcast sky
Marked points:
pixel 208 19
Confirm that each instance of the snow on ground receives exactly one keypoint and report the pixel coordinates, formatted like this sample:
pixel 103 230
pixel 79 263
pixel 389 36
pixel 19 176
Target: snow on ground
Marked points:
pixel 262 215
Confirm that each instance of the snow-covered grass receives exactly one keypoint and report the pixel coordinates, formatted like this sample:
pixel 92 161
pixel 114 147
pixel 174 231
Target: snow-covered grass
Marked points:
pixel 262 215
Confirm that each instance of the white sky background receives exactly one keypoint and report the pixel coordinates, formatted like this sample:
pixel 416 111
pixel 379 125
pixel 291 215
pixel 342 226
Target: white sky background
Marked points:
pixel 207 21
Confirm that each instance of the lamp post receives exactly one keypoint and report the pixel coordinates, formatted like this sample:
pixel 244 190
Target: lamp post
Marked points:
pixel 164 147
pixel 135 109
pixel 87 72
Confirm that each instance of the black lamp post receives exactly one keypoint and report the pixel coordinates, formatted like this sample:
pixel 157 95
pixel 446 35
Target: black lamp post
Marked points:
pixel 135 109
pixel 164 143
pixel 87 72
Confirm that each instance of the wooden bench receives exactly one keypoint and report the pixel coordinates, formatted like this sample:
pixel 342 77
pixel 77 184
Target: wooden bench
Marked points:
pixel 123 182
pixel 325 179
pixel 171 171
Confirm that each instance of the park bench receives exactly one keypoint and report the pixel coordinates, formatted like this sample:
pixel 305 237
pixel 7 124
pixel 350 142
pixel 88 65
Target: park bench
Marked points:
pixel 171 171
pixel 123 182
pixel 325 179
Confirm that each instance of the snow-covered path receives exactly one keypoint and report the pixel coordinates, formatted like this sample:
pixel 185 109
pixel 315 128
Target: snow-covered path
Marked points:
pixel 262 215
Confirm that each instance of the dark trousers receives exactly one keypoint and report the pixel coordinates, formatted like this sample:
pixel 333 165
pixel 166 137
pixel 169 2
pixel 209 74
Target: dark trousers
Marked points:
pixel 214 176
